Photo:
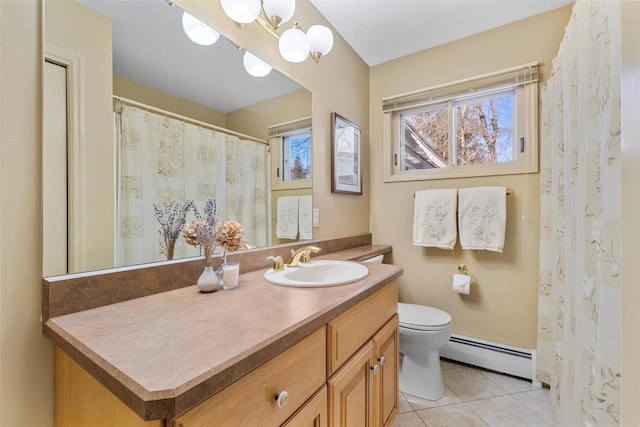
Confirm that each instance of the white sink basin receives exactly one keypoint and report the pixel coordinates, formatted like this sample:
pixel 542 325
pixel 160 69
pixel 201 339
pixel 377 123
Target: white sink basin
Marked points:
pixel 318 273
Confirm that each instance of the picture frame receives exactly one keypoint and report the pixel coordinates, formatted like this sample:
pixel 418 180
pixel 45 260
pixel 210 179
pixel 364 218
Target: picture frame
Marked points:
pixel 346 156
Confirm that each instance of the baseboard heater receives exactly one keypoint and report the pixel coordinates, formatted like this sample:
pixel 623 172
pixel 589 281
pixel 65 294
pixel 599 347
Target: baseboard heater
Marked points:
pixel 519 362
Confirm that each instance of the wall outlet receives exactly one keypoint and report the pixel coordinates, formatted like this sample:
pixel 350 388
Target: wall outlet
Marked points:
pixel 316 217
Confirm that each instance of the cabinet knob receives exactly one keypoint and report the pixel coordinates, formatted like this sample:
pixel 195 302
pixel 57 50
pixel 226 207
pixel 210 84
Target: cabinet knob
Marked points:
pixel 282 398
pixel 381 360
pixel 375 369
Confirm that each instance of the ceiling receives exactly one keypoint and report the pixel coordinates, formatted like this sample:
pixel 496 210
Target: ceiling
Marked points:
pixel 382 30
pixel 151 48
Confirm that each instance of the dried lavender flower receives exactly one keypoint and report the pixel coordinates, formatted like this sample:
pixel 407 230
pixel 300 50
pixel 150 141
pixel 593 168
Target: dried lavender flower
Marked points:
pixel 202 231
pixel 171 217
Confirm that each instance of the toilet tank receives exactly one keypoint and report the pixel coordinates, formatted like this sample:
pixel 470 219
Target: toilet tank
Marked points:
pixel 376 259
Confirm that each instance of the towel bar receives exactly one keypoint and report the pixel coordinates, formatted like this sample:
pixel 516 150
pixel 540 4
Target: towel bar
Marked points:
pixel 509 192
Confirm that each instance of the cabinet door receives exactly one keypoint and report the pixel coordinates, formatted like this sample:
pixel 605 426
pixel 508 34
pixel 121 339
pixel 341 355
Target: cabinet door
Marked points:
pixel 313 413
pixel 351 391
pixel 386 352
pixel 349 331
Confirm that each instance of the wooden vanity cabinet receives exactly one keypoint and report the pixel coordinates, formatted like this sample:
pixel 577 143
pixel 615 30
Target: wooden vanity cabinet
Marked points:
pixel 363 391
pixel 343 375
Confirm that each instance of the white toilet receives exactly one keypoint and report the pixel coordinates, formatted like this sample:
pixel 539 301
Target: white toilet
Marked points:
pixel 423 332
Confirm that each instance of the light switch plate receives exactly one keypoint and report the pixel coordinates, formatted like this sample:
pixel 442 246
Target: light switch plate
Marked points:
pixel 316 217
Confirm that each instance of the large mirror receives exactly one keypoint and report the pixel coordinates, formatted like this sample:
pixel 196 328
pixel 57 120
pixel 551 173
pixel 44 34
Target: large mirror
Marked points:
pixel 136 115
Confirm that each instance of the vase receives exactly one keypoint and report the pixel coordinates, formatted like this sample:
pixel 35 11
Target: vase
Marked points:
pixel 208 281
pixel 171 245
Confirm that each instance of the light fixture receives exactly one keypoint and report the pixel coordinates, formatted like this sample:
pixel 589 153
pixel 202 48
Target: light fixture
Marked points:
pixel 294 44
pixel 278 11
pixel 255 66
pixel 320 41
pixel 241 11
pixel 199 32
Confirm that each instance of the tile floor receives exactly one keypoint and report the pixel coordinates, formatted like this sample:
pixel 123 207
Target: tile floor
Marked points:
pixel 477 397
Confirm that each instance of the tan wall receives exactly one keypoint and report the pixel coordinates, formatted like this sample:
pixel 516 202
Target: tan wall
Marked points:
pixel 256 119
pixel 26 361
pixel 630 209
pixel 64 21
pixel 135 91
pixel 339 82
pixel 503 304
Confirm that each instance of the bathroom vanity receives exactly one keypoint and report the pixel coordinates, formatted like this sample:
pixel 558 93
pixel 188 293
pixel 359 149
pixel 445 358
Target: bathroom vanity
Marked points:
pixel 261 354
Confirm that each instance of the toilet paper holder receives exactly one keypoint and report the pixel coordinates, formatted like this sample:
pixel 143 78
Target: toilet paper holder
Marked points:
pixel 462 268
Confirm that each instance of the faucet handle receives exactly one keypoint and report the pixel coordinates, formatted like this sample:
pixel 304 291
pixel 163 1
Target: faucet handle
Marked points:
pixel 278 263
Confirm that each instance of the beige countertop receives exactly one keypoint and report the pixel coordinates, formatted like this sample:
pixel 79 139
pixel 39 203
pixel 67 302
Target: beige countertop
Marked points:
pixel 164 353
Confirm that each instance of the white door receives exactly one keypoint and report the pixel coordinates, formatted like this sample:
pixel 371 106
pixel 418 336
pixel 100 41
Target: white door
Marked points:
pixel 54 170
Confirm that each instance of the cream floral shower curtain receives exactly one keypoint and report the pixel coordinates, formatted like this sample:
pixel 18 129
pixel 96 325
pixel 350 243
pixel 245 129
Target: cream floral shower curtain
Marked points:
pixel 579 296
pixel 162 159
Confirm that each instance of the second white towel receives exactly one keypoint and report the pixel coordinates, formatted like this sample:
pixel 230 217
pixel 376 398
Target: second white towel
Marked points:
pixel 482 217
pixel 305 219
pixel 434 218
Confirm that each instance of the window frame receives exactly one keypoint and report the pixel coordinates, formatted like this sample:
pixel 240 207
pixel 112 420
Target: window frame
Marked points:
pixel 277 135
pixel 525 124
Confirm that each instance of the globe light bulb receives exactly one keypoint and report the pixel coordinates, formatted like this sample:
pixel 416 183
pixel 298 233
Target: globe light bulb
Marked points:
pixel 255 66
pixel 241 11
pixel 199 32
pixel 294 45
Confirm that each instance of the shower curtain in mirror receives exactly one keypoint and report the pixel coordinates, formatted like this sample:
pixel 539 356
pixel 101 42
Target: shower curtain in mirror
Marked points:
pixel 579 291
pixel 162 159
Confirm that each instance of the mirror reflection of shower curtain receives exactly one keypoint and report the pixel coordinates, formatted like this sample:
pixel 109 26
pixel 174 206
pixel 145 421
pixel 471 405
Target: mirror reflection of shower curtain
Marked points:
pixel 162 159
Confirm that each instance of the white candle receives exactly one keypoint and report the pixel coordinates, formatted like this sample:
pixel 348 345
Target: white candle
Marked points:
pixel 230 275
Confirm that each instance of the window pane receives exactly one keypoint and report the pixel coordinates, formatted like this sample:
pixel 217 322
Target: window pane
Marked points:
pixel 484 130
pixel 425 134
pixel 297 157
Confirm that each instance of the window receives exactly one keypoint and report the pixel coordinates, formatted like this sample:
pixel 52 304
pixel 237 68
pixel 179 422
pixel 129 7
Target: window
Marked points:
pixel 290 145
pixel 475 127
pixel 296 158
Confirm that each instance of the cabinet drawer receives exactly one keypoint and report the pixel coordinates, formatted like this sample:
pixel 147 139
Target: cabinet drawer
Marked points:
pixel 352 329
pixel 251 401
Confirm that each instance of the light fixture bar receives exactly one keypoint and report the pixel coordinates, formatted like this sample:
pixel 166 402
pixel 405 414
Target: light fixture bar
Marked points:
pixel 294 44
pixel 266 24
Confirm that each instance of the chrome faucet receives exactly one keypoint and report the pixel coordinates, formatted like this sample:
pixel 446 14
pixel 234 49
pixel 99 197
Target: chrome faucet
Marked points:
pixel 302 255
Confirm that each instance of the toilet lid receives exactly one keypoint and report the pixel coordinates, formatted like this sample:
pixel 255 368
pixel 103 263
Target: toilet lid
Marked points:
pixel 422 317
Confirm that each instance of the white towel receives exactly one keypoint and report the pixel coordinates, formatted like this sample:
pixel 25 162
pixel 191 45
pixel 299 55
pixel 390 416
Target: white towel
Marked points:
pixel 305 222
pixel 482 217
pixel 287 217
pixel 434 218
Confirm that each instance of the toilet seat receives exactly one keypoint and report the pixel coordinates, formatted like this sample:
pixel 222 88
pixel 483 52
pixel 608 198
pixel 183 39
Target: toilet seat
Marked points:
pixel 422 318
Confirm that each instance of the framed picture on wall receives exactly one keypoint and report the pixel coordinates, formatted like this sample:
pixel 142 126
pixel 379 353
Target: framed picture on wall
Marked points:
pixel 346 156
